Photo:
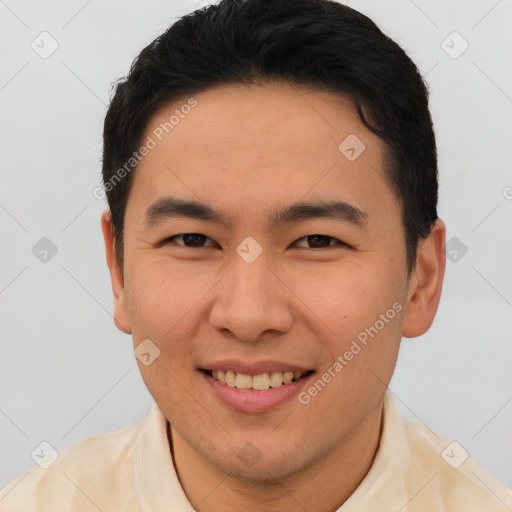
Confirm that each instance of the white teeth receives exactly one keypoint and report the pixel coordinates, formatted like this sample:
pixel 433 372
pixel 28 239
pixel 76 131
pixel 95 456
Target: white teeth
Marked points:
pixel 287 377
pixel 243 381
pixel 276 379
pixel 230 378
pixel 260 382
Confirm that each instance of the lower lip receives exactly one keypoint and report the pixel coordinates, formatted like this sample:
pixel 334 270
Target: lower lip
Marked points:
pixel 255 401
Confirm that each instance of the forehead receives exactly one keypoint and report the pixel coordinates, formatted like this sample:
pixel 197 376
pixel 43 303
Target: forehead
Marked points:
pixel 265 144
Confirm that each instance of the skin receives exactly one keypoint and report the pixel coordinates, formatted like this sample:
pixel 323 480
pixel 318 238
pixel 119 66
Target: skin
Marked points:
pixel 246 151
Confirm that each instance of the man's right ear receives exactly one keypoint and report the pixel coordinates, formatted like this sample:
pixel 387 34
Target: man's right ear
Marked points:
pixel 121 316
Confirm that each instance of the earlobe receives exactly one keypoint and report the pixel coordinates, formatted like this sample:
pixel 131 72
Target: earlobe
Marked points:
pixel 426 282
pixel 121 316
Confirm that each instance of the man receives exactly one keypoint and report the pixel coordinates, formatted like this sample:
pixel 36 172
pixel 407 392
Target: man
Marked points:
pixel 272 234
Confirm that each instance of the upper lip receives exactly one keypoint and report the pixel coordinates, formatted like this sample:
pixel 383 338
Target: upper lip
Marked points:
pixel 254 367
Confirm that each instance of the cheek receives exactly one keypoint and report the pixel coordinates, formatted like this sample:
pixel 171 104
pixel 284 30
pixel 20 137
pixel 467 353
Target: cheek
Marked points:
pixel 161 303
pixel 157 298
pixel 167 305
pixel 357 314
pixel 345 300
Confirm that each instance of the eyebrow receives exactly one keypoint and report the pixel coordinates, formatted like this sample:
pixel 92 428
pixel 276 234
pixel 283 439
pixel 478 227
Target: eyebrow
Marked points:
pixel 170 207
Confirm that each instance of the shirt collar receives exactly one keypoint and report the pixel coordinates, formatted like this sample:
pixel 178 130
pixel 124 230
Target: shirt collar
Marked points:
pixel 157 486
pixel 156 483
pixel 385 482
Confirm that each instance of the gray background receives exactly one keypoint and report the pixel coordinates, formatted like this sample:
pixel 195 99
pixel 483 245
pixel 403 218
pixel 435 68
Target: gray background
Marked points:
pixel 67 373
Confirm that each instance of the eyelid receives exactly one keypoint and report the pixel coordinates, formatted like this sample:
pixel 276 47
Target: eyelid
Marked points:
pixel 171 239
pixel 337 242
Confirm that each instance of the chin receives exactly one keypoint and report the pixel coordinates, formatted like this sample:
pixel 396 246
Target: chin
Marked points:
pixel 263 470
pixel 258 461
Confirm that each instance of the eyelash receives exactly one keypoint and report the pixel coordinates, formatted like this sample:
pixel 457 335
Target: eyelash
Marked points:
pixel 339 242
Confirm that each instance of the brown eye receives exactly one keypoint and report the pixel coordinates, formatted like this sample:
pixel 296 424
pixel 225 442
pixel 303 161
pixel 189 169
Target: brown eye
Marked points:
pixel 190 240
pixel 319 241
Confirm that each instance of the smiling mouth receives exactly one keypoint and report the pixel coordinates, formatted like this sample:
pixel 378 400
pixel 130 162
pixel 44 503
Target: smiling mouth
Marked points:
pixel 261 382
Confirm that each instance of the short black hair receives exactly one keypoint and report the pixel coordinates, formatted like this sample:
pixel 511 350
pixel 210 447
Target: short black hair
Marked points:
pixel 318 43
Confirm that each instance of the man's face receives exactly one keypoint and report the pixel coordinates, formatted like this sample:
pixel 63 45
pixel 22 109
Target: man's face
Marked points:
pixel 213 302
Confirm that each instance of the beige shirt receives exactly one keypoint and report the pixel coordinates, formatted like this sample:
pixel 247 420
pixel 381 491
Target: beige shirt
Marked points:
pixel 131 470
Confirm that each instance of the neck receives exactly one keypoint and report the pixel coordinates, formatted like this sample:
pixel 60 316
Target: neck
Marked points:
pixel 333 477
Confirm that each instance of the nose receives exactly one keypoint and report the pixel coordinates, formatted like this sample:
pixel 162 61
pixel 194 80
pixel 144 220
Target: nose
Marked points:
pixel 252 302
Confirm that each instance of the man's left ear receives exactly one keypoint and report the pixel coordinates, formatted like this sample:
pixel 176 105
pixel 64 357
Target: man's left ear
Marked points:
pixel 426 282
